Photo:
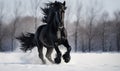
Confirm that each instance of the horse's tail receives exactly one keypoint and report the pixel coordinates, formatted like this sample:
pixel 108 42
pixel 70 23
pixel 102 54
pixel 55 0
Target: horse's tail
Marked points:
pixel 27 41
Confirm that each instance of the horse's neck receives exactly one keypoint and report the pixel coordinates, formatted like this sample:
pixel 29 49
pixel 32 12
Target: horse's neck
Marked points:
pixel 52 26
pixel 52 29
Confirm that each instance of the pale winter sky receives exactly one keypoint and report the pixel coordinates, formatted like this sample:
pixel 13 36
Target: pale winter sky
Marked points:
pixel 107 5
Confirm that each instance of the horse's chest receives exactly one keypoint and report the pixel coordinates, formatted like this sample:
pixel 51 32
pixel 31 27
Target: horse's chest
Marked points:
pixel 60 35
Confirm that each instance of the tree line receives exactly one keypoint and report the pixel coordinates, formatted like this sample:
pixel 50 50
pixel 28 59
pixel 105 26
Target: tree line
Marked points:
pixel 93 32
pixel 96 31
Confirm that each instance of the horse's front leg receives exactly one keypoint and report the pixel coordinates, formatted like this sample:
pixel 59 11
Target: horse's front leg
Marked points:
pixel 66 56
pixel 58 56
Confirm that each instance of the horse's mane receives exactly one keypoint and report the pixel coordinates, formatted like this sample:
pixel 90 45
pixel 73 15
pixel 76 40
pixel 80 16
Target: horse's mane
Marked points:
pixel 47 8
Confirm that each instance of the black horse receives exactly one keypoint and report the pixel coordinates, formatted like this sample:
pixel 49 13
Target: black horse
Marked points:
pixel 50 35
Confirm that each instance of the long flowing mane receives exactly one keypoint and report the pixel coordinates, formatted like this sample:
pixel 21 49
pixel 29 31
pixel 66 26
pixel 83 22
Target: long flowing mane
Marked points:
pixel 46 11
pixel 47 8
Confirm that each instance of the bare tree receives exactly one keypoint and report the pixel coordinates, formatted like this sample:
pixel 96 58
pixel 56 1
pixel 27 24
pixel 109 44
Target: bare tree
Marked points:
pixel 17 14
pixel 1 17
pixel 82 37
pixel 104 18
pixel 93 10
pixel 35 7
pixel 78 15
pixel 117 23
pixel 90 24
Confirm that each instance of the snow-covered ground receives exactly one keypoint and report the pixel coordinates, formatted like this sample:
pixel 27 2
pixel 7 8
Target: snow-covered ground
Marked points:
pixel 79 62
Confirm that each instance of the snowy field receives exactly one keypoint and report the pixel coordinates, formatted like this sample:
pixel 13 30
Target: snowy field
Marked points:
pixel 79 62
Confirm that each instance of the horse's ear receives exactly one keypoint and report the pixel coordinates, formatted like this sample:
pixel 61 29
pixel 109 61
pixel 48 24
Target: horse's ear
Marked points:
pixel 55 1
pixel 64 3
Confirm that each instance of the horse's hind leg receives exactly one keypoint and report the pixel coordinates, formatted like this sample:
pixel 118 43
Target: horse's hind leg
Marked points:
pixel 48 54
pixel 40 50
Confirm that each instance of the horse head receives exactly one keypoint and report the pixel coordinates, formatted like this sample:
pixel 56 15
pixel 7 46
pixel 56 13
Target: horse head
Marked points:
pixel 59 11
pixel 54 14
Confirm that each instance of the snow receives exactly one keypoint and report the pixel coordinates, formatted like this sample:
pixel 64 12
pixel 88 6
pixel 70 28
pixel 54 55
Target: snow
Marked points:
pixel 19 61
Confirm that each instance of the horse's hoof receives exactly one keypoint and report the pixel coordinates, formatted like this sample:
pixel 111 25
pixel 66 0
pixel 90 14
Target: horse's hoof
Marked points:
pixel 66 58
pixel 57 60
